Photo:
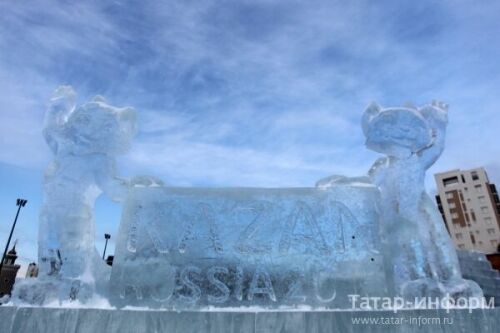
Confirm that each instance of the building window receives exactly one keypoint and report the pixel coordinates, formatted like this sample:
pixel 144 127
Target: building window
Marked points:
pixel 484 210
pixel 472 215
pixel 491 231
pixel 487 220
pixel 461 246
pixel 452 205
pixel 481 199
pixel 454 215
pixel 474 175
pixel 449 195
pixel 463 178
pixel 494 242
pixel 478 188
pixel 458 236
pixel 450 181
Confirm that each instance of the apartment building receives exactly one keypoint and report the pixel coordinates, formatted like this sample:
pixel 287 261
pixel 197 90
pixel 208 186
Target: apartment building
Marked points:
pixel 470 208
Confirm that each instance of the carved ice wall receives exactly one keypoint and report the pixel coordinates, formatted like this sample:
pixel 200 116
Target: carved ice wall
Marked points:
pixel 181 247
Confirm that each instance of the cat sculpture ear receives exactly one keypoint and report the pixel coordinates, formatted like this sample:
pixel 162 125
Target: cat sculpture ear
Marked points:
pixel 436 114
pixel 62 104
pixel 370 112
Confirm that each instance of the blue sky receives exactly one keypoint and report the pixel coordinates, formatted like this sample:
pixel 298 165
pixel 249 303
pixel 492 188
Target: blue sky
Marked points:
pixel 251 93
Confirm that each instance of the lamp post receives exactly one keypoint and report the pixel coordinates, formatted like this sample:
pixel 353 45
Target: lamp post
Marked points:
pixel 107 237
pixel 20 203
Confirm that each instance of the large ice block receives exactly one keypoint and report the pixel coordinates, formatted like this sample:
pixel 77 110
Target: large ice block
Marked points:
pixel 77 320
pixel 196 247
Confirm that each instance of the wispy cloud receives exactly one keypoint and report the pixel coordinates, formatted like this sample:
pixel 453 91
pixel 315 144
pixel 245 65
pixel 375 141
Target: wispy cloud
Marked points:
pixel 263 93
pixel 263 78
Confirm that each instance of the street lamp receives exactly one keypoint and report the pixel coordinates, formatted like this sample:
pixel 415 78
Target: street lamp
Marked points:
pixel 107 237
pixel 20 203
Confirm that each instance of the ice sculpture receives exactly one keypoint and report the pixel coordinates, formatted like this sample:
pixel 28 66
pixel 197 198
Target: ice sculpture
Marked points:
pixel 189 248
pixel 193 247
pixel 420 258
pixel 85 140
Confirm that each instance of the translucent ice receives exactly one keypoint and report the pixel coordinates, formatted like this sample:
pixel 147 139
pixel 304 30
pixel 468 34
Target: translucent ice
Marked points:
pixel 194 247
pixel 375 235
pixel 420 258
pixel 33 319
pixel 84 140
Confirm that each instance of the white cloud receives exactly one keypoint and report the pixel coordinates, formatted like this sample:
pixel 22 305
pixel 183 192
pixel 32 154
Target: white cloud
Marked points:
pixel 230 76
pixel 262 93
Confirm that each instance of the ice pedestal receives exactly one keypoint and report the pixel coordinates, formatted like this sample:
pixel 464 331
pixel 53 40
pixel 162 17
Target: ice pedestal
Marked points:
pixel 13 320
pixel 189 248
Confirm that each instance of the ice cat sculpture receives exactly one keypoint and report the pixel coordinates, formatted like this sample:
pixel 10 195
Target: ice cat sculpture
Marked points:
pixel 85 140
pixel 419 256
